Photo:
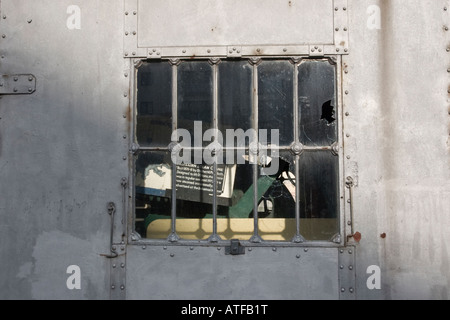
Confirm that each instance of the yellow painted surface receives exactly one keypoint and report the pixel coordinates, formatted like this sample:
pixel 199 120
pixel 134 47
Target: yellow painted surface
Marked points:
pixel 269 229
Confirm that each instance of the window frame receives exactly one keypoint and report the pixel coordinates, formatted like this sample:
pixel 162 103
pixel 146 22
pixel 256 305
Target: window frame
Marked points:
pixel 342 192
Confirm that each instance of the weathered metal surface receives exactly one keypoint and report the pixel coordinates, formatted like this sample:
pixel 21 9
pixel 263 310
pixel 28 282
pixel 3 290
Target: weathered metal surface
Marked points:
pixel 208 273
pixel 65 148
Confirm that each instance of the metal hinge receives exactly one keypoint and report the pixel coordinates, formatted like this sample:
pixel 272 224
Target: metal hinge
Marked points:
pixel 17 84
pixel 235 248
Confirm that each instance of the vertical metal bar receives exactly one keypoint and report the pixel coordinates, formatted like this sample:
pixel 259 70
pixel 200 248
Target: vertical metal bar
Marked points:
pixel 253 152
pixel 173 237
pixel 297 149
pixel 215 237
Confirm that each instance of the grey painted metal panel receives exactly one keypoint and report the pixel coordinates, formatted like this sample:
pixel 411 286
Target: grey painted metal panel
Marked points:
pixel 207 273
pixel 249 22
pixel 63 155
pixel 61 147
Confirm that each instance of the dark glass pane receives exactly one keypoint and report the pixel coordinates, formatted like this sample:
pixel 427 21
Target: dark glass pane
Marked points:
pixel 319 206
pixel 195 97
pixel 154 104
pixel 317 103
pixel 235 97
pixel 275 96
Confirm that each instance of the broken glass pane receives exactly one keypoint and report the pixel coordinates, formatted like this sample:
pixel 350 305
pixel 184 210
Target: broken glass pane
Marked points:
pixel 154 104
pixel 317 103
pixel 275 98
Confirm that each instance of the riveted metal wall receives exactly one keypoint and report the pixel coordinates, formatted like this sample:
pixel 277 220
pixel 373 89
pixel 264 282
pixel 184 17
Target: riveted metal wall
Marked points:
pixel 65 166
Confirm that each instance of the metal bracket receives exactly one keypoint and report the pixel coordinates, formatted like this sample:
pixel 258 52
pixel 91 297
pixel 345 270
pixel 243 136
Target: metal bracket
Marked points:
pixel 347 273
pixel 17 84
pixel 118 278
pixel 234 51
pixel 316 51
pixel 235 248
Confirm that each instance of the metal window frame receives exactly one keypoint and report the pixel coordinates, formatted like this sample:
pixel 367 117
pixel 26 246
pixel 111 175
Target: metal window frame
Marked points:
pixel 338 149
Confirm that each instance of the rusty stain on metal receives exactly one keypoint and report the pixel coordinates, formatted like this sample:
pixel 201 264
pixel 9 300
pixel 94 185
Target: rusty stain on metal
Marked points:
pixel 383 235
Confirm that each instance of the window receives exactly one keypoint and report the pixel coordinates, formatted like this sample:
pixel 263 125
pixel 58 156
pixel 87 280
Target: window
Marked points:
pixel 249 144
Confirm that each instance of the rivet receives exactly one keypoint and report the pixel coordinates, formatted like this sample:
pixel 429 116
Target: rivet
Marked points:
pixel 134 13
pixel 144 247
pixel 445 8
pixel 234 49
pixel 134 33
pixel 16 78
pixel 218 248
pixel 15 90
pixel 124 158
pixel 305 250
pixel 351 290
pixel 114 266
pixel 448 49
pixel 448 70
pixel 349 201
pixel 350 267
pixel 126 33
pixel 126 54
pixel 312 50
pixel 348 157
pixel 184 51
pixel 350 251
pixel 134 53
pixel 250 249
pixel 165 248
pixel 30 78
pixel 3 36
pixel 345 50
pixel 337 29
pixel 172 255
pixel 231 51
pixel 209 51
pixel 4 17
pixel 122 287
pixel 122 265
pixel 114 248
pixel 125 95
pixel 342 289
pixel 347 135
pixel 284 50
pixel 113 287
pixel 320 50
pixel 341 267
pixel 122 248
pixel 298 256
pixel 30 90
pixel 125 75
pixel 124 116
pixel 124 136
pixel 341 251
pixel 445 28
pixel 349 223
pixel 258 50
pixel 345 29
pixel 347 114
pixel 345 8
pixel 158 53
pixel 337 50
pixel 29 20
pixel 346 91
pixel 191 248
pixel 336 9
pixel 274 249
